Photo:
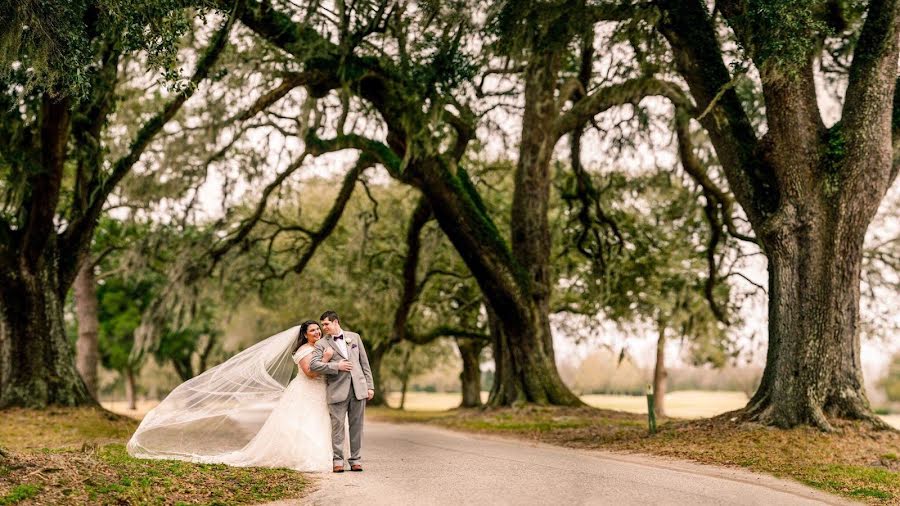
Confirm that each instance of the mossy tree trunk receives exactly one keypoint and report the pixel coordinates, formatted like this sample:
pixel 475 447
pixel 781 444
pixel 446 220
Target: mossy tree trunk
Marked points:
pixel 532 374
pixel 37 366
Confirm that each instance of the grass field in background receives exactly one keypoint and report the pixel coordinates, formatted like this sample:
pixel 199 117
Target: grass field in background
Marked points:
pixel 684 404
pixel 688 404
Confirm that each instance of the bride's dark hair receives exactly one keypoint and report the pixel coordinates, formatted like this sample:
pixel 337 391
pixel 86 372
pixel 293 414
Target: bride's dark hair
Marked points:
pixel 301 339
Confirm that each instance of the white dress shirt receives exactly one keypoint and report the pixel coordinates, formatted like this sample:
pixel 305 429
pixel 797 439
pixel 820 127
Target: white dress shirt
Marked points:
pixel 342 345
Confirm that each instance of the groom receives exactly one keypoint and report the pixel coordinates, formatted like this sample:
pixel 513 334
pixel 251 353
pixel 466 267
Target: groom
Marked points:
pixel 349 383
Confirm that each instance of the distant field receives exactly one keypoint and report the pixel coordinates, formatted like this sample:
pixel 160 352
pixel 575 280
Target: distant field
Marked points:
pixel 686 404
pixel 681 404
pixel 121 408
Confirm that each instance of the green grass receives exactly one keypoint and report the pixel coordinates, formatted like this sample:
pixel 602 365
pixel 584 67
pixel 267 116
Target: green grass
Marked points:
pixel 855 481
pixel 856 461
pixel 19 493
pixel 78 456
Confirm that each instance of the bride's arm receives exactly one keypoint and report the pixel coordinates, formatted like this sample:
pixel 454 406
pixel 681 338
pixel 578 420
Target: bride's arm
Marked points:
pixel 318 365
pixel 304 366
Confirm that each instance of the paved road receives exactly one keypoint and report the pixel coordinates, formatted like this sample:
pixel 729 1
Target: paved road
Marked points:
pixel 412 464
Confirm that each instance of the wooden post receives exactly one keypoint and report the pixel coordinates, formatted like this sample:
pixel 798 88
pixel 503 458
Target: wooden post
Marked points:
pixel 651 413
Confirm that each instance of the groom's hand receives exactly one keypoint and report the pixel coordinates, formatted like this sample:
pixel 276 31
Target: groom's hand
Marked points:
pixel 370 394
pixel 345 365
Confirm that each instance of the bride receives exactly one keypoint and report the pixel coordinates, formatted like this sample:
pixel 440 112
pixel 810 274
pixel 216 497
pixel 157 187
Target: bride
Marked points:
pixel 240 413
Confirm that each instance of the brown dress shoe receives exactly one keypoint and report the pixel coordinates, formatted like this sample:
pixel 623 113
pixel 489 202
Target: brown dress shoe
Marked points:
pixel 356 467
pixel 338 469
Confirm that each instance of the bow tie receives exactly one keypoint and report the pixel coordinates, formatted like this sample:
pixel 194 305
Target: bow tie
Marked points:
pixel 339 337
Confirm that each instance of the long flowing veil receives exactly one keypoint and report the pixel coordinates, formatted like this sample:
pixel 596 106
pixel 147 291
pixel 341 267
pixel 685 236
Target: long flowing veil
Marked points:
pixel 220 410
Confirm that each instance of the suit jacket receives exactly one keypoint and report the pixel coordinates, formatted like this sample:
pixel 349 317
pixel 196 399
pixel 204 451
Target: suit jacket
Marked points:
pixel 338 382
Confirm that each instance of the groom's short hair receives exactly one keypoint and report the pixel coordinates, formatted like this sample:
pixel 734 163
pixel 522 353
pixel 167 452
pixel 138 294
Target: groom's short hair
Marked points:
pixel 330 316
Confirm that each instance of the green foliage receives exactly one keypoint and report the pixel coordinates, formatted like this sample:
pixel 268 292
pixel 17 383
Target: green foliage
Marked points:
pixel 198 337
pixel 659 277
pixel 121 305
pixel 783 33
pixel 528 27
pixel 59 42
pixel 408 360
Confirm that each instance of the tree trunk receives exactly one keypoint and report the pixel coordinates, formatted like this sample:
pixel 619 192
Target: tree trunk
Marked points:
pixel 87 353
pixel 183 367
pixel 128 376
pixel 531 375
pixel 203 359
pixel 470 377
pixel 37 363
pixel 813 362
pixel 659 373
pixel 404 378
pixel 810 193
pixel 531 240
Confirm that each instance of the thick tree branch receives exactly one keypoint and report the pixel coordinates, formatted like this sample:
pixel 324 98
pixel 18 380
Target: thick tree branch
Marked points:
pixel 688 28
pixel 446 331
pixel 618 11
pixel 411 289
pixel 246 225
pixel 872 80
pixel 711 211
pixel 45 182
pixel 698 173
pixel 375 150
pixel 334 214
pixel 291 81
pixel 629 92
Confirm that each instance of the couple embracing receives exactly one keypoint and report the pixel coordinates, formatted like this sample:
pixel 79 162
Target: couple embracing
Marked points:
pixel 348 381
pixel 248 411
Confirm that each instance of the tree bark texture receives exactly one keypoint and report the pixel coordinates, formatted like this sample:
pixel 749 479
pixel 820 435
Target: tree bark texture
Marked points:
pixel 37 366
pixel 87 353
pixel 660 374
pixel 470 377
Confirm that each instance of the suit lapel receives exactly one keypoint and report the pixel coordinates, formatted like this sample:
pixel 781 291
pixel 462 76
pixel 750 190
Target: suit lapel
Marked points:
pixel 349 341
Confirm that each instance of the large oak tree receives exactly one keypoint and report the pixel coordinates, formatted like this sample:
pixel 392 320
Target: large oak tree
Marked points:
pixel 809 191
pixel 57 173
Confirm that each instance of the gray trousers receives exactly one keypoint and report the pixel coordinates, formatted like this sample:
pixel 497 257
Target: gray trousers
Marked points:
pixel 354 411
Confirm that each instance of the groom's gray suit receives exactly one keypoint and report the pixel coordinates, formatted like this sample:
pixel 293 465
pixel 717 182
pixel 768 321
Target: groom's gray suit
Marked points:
pixel 347 391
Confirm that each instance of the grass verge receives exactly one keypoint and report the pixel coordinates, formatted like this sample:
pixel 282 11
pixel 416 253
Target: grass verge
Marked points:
pixel 856 461
pixel 77 456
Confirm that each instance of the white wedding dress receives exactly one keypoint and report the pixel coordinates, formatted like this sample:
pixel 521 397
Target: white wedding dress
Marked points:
pixel 239 413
